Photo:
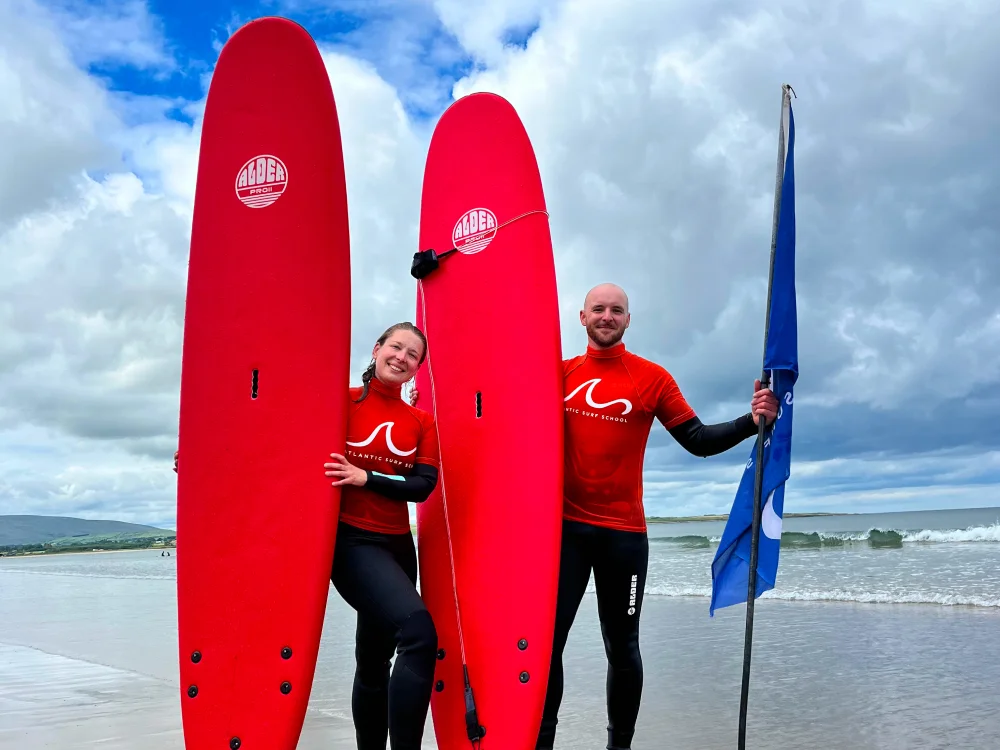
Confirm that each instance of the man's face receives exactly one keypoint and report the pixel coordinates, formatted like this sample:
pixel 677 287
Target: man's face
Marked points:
pixel 605 315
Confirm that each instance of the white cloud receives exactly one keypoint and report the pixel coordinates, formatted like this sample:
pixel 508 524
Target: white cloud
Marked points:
pixel 946 479
pixel 117 33
pixel 403 37
pixel 53 112
pixel 383 165
pixel 91 294
pixel 481 28
pixel 655 130
pixel 655 126
pixel 92 320
pixel 47 472
pixel 92 312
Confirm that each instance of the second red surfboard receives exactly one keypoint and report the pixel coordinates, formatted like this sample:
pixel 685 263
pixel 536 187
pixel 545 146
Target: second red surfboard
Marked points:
pixel 489 536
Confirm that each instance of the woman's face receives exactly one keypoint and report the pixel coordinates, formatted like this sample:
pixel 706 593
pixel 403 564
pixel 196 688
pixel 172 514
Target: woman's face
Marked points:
pixel 397 360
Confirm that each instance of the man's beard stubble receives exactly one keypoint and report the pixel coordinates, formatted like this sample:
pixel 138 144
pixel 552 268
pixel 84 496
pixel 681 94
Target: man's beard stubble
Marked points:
pixel 605 336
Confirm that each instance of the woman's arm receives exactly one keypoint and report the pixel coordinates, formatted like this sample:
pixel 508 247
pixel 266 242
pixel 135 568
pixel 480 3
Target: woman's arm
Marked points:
pixel 411 488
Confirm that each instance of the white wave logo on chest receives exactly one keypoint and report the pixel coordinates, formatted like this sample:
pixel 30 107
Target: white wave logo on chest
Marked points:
pixel 388 440
pixel 589 396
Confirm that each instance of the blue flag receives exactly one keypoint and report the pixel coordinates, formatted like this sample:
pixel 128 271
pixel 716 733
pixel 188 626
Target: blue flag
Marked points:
pixel 731 566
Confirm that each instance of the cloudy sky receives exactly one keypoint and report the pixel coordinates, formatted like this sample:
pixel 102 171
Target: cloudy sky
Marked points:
pixel 655 127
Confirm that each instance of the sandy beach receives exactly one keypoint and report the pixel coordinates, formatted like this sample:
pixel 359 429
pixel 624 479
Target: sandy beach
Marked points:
pixel 88 653
pixel 891 687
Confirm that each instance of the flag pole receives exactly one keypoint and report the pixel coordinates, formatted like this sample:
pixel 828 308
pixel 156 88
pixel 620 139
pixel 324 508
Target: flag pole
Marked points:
pixel 765 381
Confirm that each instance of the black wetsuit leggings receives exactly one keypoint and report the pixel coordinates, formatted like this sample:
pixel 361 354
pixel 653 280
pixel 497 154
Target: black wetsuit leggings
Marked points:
pixel 619 560
pixel 376 574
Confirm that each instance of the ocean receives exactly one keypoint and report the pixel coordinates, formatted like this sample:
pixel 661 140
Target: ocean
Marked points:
pixel 881 633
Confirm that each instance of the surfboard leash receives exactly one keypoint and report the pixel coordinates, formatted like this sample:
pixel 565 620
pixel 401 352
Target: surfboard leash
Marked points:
pixel 424 263
pixel 473 728
pixel 427 261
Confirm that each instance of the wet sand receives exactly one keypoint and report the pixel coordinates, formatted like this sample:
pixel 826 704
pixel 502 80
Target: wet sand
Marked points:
pixel 51 701
pixel 88 659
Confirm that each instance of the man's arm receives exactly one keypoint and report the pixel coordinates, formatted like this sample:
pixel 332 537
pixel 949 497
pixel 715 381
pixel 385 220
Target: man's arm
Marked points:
pixel 705 440
pixel 699 439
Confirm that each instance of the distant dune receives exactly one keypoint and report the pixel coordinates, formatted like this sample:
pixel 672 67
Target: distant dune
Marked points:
pixel 16 530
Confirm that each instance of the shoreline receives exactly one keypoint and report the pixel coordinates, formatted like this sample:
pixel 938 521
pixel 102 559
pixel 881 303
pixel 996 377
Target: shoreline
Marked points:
pixel 711 517
pixel 83 552
pixel 725 517
pixel 413 529
pixel 87 551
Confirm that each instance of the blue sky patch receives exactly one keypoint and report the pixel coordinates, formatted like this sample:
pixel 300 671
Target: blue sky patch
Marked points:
pixel 406 44
pixel 519 36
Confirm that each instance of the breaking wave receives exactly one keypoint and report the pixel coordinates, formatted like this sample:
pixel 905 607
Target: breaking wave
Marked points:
pixel 877 538
pixel 842 595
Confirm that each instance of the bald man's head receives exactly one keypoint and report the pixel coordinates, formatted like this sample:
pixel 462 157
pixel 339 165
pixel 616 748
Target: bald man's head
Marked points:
pixel 605 315
pixel 610 293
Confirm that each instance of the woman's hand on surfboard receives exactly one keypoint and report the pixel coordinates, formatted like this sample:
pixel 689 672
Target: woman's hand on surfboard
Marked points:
pixel 177 455
pixel 345 471
pixel 764 402
pixel 414 395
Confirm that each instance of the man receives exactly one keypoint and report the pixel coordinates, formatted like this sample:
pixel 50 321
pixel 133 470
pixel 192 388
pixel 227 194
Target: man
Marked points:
pixel 611 397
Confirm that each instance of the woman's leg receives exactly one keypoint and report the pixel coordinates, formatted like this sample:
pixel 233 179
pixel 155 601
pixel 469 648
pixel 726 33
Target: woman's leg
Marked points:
pixel 376 574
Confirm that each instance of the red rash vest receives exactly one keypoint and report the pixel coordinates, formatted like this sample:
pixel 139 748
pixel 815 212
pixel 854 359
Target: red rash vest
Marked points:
pixel 611 397
pixel 387 435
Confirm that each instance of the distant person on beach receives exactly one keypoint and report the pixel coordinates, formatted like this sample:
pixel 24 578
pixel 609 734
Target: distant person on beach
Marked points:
pixel 392 460
pixel 611 397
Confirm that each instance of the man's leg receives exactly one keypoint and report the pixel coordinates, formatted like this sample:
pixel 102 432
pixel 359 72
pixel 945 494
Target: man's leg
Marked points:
pixel 574 575
pixel 621 559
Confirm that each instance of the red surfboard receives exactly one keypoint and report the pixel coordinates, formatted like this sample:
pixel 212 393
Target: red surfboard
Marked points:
pixel 263 391
pixel 494 383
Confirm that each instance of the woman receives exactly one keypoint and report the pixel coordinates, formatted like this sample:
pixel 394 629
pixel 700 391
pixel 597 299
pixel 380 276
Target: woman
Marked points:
pixel 392 459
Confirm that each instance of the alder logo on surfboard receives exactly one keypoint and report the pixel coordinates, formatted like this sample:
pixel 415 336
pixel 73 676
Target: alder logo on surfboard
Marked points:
pixel 261 181
pixel 474 230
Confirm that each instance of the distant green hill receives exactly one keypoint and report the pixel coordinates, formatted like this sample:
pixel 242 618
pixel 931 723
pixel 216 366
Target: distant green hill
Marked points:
pixel 111 539
pixel 64 531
